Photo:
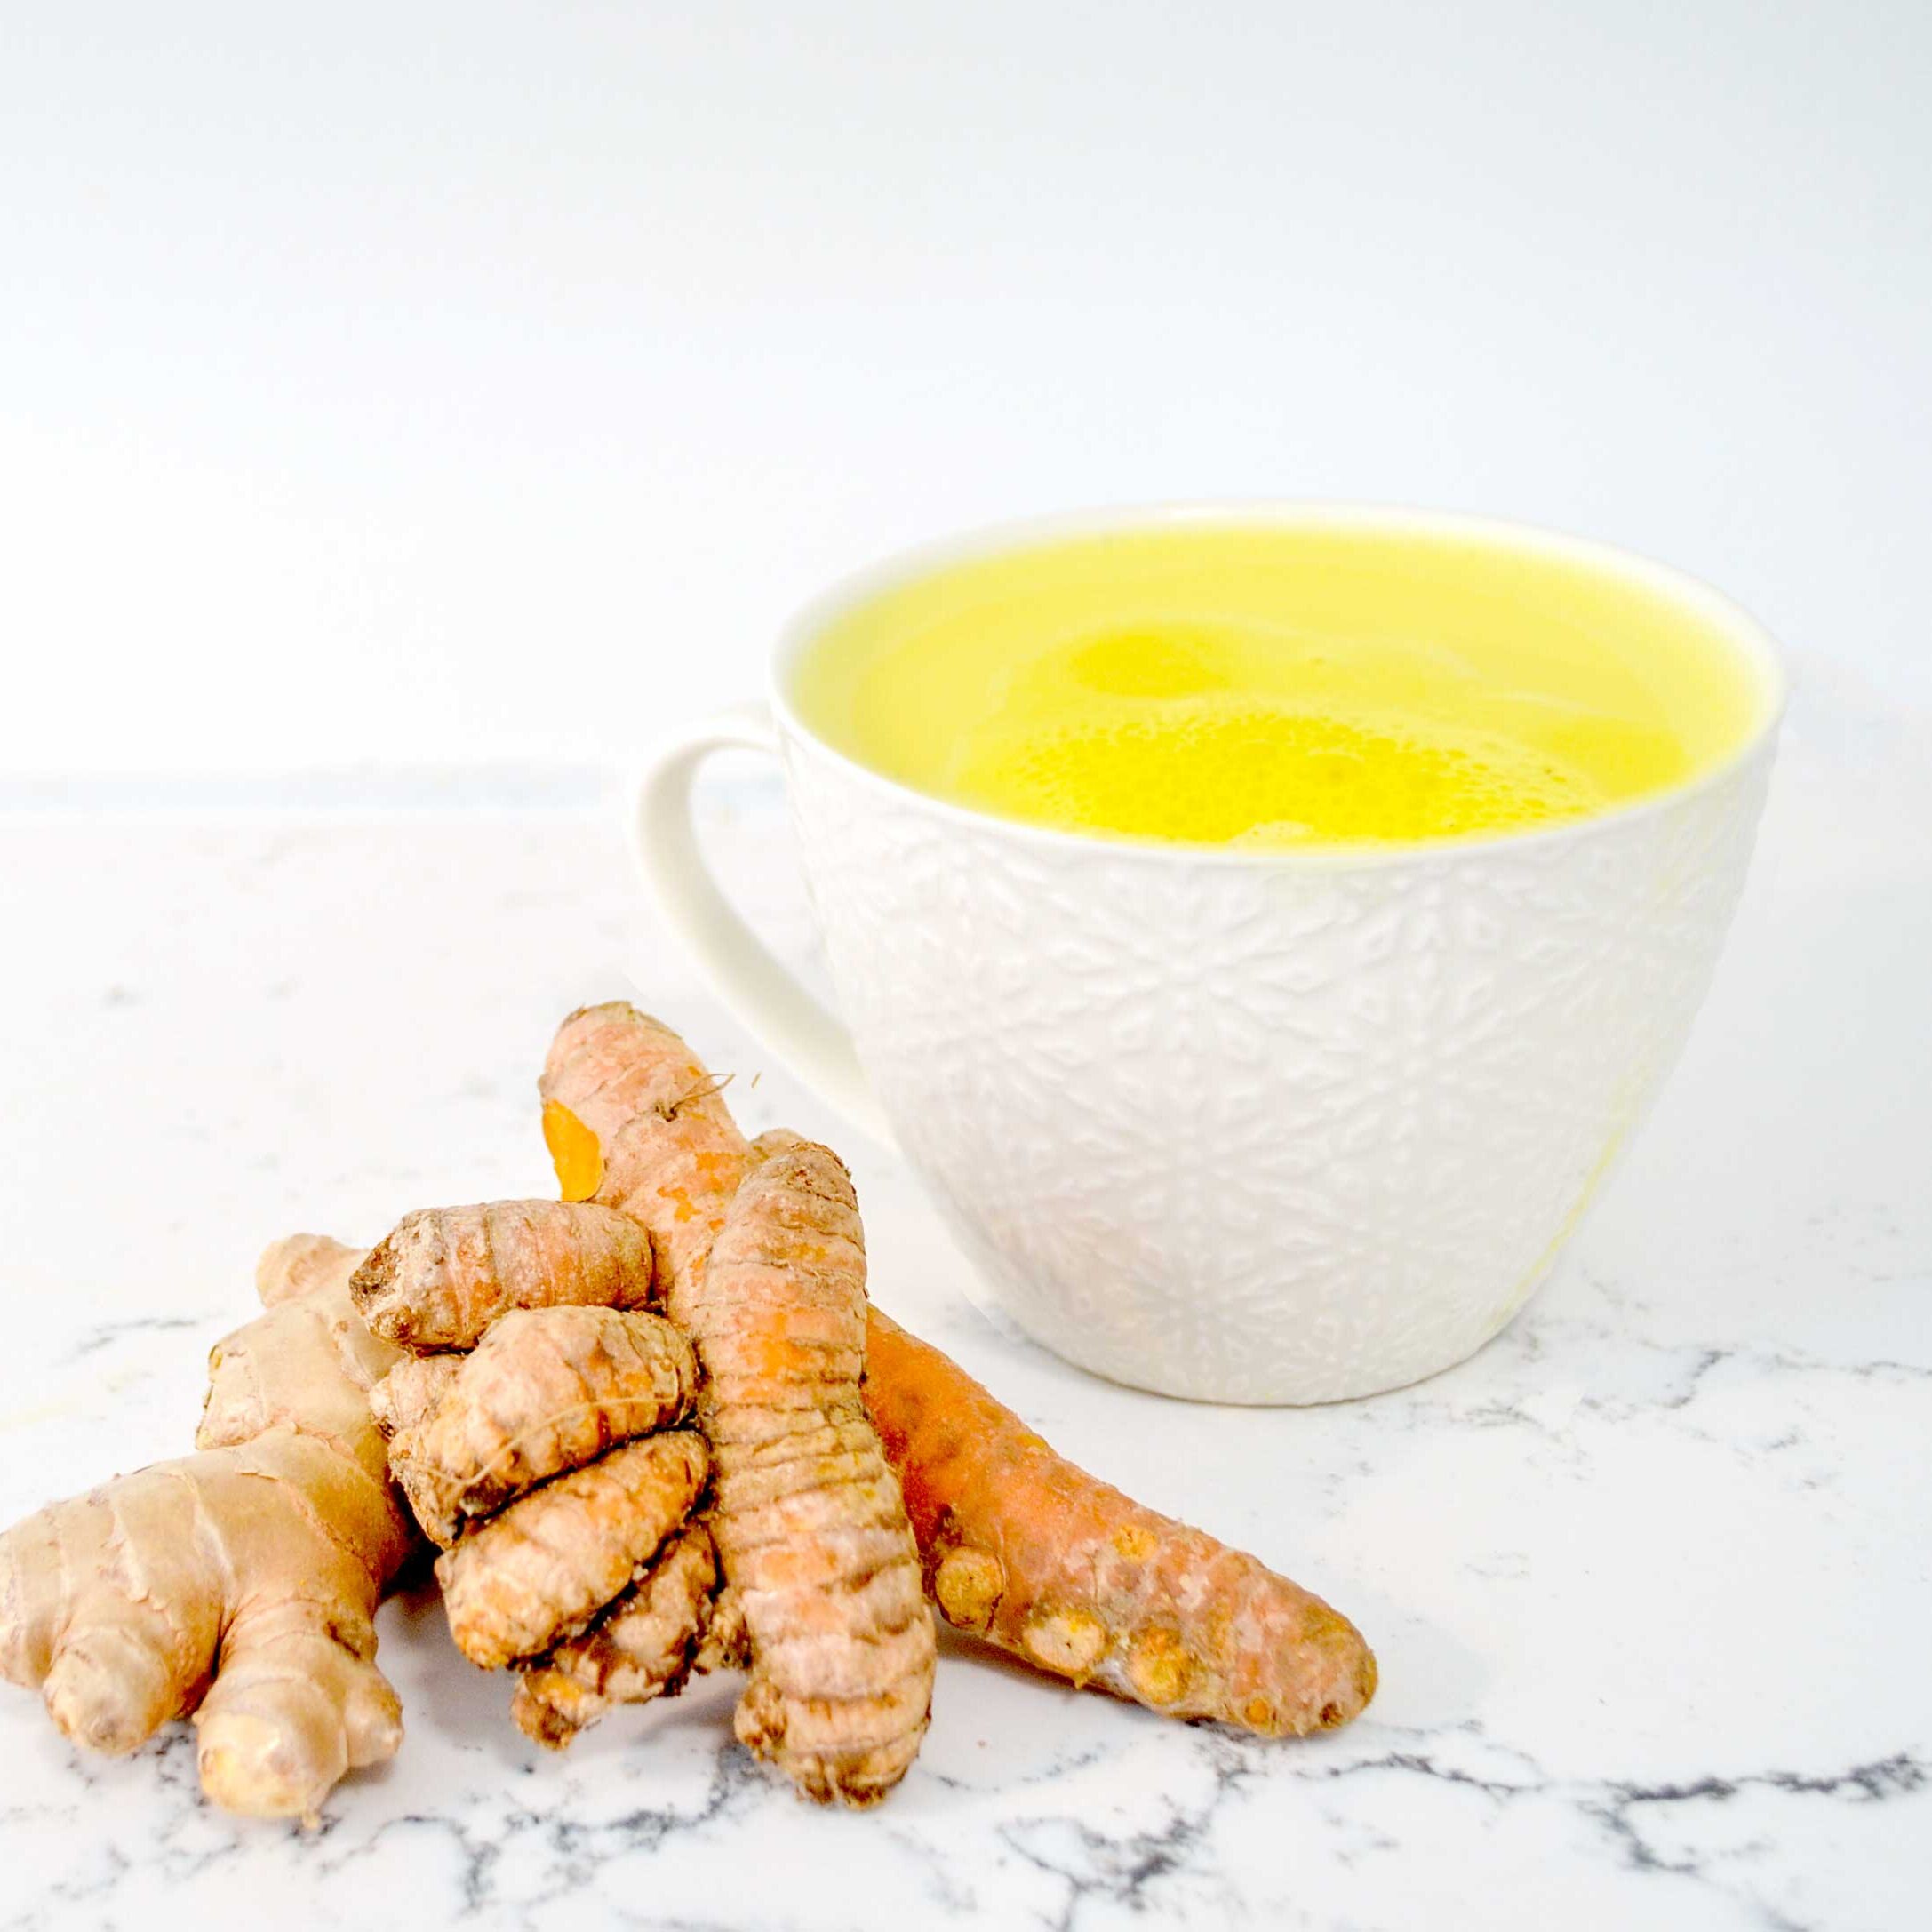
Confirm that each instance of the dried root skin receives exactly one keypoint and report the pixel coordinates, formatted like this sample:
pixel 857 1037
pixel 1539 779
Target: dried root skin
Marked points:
pixel 811 1528
pixel 442 1276
pixel 1043 1560
pixel 240 1584
pixel 547 1390
pixel 644 1645
pixel 541 1569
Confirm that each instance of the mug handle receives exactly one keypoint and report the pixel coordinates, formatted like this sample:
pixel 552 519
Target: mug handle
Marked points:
pixel 753 987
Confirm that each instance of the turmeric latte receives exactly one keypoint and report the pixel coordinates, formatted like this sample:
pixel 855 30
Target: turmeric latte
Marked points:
pixel 1277 686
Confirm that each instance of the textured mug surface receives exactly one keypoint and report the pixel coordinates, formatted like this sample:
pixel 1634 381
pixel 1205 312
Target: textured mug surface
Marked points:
pixel 1255 1127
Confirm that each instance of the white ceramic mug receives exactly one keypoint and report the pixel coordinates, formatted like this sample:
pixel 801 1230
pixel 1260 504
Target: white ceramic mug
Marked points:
pixel 1243 1126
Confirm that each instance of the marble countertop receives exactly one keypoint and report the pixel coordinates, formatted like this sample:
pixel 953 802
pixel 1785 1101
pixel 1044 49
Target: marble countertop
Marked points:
pixel 1647 1578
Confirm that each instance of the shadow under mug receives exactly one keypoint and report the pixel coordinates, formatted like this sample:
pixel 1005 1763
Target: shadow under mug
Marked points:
pixel 1236 1125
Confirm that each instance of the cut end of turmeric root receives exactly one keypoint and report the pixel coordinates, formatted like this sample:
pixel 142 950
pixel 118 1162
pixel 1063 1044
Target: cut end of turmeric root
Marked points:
pixel 575 1153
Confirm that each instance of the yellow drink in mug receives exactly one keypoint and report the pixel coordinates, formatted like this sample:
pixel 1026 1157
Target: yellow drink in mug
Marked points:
pixel 1277 687
pixel 1260 927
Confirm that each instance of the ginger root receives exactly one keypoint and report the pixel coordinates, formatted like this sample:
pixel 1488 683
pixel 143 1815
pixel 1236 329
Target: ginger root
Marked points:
pixel 238 1585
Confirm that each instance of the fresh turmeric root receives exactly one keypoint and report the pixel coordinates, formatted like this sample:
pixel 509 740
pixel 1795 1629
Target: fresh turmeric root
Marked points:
pixel 545 1392
pixel 809 1523
pixel 464 1267
pixel 567 1557
pixel 238 1585
pixel 1042 1559
pixel 767 1275
pixel 546 1464
pixel 541 1569
pixel 644 1647
pixel 1018 1546
pixel 805 1520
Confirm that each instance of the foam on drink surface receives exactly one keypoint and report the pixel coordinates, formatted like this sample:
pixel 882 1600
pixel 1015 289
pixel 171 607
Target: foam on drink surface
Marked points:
pixel 1185 734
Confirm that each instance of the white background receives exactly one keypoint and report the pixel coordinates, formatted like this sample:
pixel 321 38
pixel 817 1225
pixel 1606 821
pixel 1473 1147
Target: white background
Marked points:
pixel 390 386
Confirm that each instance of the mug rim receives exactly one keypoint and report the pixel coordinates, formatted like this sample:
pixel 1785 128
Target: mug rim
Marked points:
pixel 1741 631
